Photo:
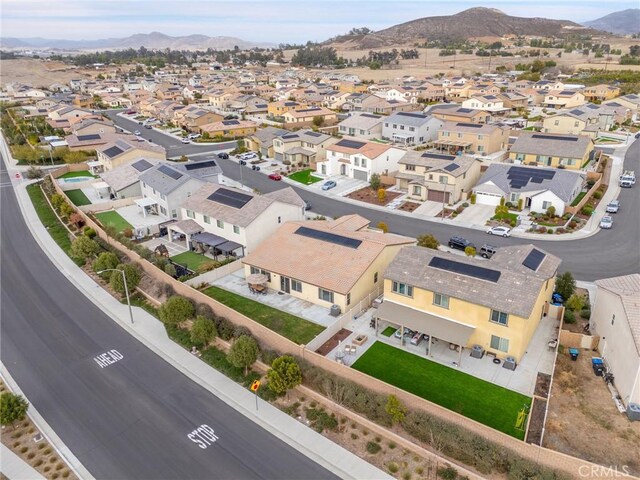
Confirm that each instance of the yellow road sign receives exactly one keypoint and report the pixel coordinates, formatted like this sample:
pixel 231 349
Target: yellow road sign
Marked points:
pixel 255 385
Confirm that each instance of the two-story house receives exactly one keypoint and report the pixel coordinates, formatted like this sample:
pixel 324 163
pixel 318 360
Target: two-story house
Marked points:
pixel 472 138
pixel 548 150
pixel 262 140
pixel 601 92
pixel 455 113
pixel 122 150
pixel 229 128
pixel 362 125
pixel 411 128
pixel 302 148
pixel 306 116
pixel 564 99
pixel 487 103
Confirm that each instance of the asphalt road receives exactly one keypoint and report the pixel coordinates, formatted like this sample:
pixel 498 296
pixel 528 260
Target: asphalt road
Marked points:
pixel 129 419
pixel 605 254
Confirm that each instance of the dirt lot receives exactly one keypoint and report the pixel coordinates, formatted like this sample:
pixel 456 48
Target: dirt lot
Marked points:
pixel 584 422
pixel 38 73
pixel 370 196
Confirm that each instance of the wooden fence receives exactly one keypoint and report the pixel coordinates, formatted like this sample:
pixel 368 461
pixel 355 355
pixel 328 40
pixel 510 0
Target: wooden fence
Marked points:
pixel 598 181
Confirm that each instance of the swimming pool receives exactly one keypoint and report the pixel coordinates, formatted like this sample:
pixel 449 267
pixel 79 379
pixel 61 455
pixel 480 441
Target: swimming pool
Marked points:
pixel 75 179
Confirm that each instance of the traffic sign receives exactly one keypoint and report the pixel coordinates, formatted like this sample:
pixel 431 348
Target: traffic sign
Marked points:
pixel 255 385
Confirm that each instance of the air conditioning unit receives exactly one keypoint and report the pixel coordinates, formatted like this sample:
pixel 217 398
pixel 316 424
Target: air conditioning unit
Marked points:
pixel 477 351
pixel 509 363
pixel 633 411
pixel 335 310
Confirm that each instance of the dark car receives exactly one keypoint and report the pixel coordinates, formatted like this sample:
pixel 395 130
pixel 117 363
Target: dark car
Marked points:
pixel 255 167
pixel 148 126
pixel 637 135
pixel 223 155
pixel 460 243
pixel 242 162
pixel 307 205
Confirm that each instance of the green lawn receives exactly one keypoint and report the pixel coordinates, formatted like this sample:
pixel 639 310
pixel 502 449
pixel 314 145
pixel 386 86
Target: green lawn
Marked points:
pixel 82 173
pixel 577 200
pixel 191 260
pixel 304 176
pixel 387 332
pixel 77 197
pixel 510 217
pixel 477 399
pixel 294 328
pixel 113 219
pixel 48 218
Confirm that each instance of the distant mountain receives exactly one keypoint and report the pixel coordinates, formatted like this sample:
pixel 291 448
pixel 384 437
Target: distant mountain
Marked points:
pixel 471 23
pixel 153 40
pixel 624 22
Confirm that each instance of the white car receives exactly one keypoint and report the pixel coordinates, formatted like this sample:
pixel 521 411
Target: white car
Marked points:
pixel 137 133
pixel 248 156
pixel 502 231
pixel 185 140
pixel 613 207
pixel 193 136
pixel 606 222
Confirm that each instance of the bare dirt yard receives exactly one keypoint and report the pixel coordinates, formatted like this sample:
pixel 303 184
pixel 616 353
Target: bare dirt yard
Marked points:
pixel 38 73
pixel 370 196
pixel 583 420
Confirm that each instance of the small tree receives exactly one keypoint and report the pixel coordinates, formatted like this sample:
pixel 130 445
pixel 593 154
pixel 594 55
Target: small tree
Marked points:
pixel 396 410
pixel 551 211
pixel 105 261
pixel 375 182
pixel 383 226
pixel 501 210
pixel 206 135
pixel 428 241
pixel 176 310
pixel 470 251
pixel 502 201
pixel 575 302
pixel 13 408
pixel 284 374
pixel 203 330
pixel 131 273
pixel 66 210
pixel 565 285
pixel 382 195
pixel 243 353
pixel 57 200
pixel 318 121
pixel 83 248
pixel 170 270
pixel 34 173
pixel 184 158
pixel 472 199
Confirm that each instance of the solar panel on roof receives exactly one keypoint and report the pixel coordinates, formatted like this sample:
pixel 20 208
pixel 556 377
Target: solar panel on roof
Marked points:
pixel 313 134
pixel 295 135
pixel 632 96
pixel 438 156
pixel 414 115
pixel 170 172
pixel 350 144
pixel 469 125
pixel 328 237
pixel 113 151
pixel 231 122
pixel 550 137
pixel 368 115
pixel 534 259
pixel 465 269
pixel 141 165
pixel 576 111
pixel 92 136
pixel 230 198
pixel 200 165
pixel 465 110
pixel 451 167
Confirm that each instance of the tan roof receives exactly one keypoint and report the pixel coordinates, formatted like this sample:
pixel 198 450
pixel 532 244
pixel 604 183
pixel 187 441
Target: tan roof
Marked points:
pixel 627 288
pixel 369 149
pixel 322 263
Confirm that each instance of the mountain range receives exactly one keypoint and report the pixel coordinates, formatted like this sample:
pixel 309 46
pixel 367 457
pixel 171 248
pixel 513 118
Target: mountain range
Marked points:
pixel 153 40
pixel 624 22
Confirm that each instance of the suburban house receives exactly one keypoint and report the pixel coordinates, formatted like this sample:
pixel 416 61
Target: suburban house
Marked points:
pixel 192 118
pixel 121 151
pixel 302 147
pixel 230 128
pixel 496 303
pixel 308 115
pixel 91 141
pixel 601 92
pixel 92 127
pixel 455 113
pixel 365 102
pixel 513 100
pixel 277 109
pixel 472 138
pixel 262 140
pixel 244 218
pixel 487 103
pixel 334 262
pixel 359 160
pixel 630 101
pixel 361 125
pixel 411 128
pixel 124 181
pixel 437 177
pixel 564 99
pixel 535 188
pixel 616 320
pixel 557 151
pixel 431 92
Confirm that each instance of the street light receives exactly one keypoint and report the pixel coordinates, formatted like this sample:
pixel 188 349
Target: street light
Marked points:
pixel 126 288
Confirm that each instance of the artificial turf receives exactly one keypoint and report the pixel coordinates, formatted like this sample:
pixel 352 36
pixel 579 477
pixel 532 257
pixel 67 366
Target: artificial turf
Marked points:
pixel 191 260
pixel 387 332
pixel 78 197
pixel 305 177
pixel 113 219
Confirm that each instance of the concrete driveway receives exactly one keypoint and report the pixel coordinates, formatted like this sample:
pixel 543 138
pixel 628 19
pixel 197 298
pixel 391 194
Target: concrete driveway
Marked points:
pixel 429 209
pixel 475 215
pixel 344 185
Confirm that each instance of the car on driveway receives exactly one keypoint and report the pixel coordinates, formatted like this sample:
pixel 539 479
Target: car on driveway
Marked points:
pixel 193 136
pixel 223 155
pixel 275 176
pixel 185 140
pixel 460 243
pixel 131 112
pixel 328 185
pixel 606 222
pixel 613 207
pixel 248 156
pixel 502 231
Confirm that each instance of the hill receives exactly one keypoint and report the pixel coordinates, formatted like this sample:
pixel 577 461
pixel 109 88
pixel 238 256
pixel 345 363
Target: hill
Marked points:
pixel 471 23
pixel 624 22
pixel 153 40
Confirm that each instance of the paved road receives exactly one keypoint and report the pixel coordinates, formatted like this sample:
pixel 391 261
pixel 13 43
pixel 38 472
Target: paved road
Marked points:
pixel 606 254
pixel 128 420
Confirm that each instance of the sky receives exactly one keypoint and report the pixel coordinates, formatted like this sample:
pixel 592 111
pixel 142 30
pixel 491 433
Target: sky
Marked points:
pixel 275 21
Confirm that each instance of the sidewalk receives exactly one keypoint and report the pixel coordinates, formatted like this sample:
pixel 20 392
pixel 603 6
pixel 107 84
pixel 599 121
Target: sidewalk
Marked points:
pixel 148 330
pixel 15 468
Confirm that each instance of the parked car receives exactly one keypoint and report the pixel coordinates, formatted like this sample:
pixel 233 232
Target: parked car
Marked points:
pixel 242 162
pixel 255 167
pixel 307 205
pixel 328 185
pixel 487 251
pixel 275 176
pixel 460 243
pixel 140 123
pixel 148 126
pixel 502 231
pixel 606 222
pixel 417 338
pixel 185 140
pixel 224 155
pixel 131 112
pixel 193 136
pixel 637 135
pixel 248 156
pixel 137 133
pixel 613 207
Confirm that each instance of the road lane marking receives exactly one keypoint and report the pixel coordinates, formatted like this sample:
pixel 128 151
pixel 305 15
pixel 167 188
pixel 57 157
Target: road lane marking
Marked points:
pixel 203 436
pixel 108 358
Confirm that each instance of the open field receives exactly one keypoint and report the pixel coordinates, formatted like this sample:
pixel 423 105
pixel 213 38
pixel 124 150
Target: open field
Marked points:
pixel 37 73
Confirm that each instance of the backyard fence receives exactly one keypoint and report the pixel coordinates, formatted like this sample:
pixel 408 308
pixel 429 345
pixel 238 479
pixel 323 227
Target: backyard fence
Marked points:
pixel 578 340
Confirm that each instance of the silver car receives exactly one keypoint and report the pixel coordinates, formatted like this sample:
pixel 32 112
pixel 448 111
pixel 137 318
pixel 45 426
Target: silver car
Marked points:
pixel 606 222
pixel 613 207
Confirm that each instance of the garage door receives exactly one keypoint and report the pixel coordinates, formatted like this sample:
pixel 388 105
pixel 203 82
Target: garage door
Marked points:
pixel 279 157
pixel 264 151
pixel 488 198
pixel 360 175
pixel 438 196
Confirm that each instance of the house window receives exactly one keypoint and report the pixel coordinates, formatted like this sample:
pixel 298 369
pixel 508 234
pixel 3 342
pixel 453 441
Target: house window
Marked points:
pixel 325 295
pixel 220 223
pixel 481 148
pixel 410 168
pixel 443 179
pixel 499 317
pixel 546 205
pixel 386 124
pixel 401 127
pixel 263 272
pixel 162 210
pixel 375 277
pixel 395 126
pixel 430 176
pixel 174 214
pixel 556 123
pixel 575 124
pixel 514 197
pixel 163 196
pixel 206 219
pixel 296 285
pixel 613 318
pixel 499 343
pixel 356 161
pixel 236 229
pixel 412 129
pixel 349 298
pixel 417 190
pixel 364 162
pixel 441 300
pixel 191 214
pixel 421 139
pixel 520 156
pixel 402 289
pixel 279 219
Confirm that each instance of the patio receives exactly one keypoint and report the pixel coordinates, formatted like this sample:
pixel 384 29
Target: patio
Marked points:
pixel 172 247
pixel 237 283
pixel 147 224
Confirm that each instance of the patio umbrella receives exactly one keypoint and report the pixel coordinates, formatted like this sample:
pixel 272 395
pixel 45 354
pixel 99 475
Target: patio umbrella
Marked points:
pixel 257 279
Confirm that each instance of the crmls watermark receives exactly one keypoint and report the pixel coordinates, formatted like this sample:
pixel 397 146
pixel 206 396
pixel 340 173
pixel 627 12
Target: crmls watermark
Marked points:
pixel 600 471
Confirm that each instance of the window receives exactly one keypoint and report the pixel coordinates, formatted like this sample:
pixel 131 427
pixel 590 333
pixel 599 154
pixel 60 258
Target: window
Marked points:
pixel 556 123
pixel 206 218
pixel 430 176
pixel 401 127
pixel 279 219
pixel 499 343
pixel 575 124
pixel 325 295
pixel 162 210
pixel 220 223
pixel 395 126
pixel 481 148
pixel 349 298
pixel 520 156
pixel 236 229
pixel 264 272
pixel 441 300
pixel 417 190
pixel 443 179
pixel 402 289
pixel 499 317
pixel 412 129
pixel 375 277
pixel 163 196
pixel 613 318
pixel 191 214
pixel 421 139
pixel 410 168
pixel 514 197
pixel 546 205
pixel 356 161
pixel 296 285
pixel 364 162
pixel 174 214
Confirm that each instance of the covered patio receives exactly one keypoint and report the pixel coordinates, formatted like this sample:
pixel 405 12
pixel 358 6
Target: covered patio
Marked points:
pixel 95 167
pixel 148 206
pixel 205 242
pixel 183 230
pixel 405 139
pixel 103 190
pixel 452 147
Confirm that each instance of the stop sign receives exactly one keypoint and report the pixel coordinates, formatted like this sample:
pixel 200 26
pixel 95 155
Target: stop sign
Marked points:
pixel 17 175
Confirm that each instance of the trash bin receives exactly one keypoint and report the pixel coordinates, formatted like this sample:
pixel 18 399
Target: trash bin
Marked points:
pixel 598 366
pixel 574 353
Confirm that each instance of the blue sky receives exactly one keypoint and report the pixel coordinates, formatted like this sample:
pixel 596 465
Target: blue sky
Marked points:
pixel 261 20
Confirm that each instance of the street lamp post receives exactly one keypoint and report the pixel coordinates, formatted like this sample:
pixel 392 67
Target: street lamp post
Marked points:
pixel 126 287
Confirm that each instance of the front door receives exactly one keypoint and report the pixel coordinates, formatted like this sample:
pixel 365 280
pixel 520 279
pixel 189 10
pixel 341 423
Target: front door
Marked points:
pixel 285 284
pixel 343 169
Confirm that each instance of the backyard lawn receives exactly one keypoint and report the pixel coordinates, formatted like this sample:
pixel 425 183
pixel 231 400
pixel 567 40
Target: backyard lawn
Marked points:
pixel 477 399
pixel 304 176
pixel 294 328
pixel 387 332
pixel 191 260
pixel 78 197
pixel 113 219
pixel 82 173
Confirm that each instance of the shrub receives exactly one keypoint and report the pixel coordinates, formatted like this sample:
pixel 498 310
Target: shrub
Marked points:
pixel 83 248
pixel 203 330
pixel 512 223
pixel 106 260
pixel 373 447
pixel 241 330
pixel 508 205
pixel 375 182
pixel 542 229
pixel 34 173
pixel 585 313
pixel 243 353
pixel 321 420
pixel 587 210
pixel 383 226
pixel 89 232
pixel 284 374
pixel 170 269
pixel 573 224
pixel 551 211
pixel 66 210
pixel 565 285
pixel 393 467
pixel 132 275
pixel 569 316
pixel 470 251
pixel 575 302
pixel 472 199
pixel 268 356
pixel 382 195
pixel 448 473
pixel 127 232
pixel 225 328
pixel 520 203
pixel 13 408
pixel 597 194
pixel 550 231
pixel 396 410
pixel 429 241
pixel 465 204
pixel 176 310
